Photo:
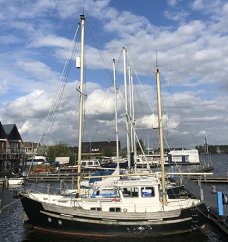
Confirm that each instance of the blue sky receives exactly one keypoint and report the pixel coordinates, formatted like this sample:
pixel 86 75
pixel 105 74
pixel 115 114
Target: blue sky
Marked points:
pixel 190 38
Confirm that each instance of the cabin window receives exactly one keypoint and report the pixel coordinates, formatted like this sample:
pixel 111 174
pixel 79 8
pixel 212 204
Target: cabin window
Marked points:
pixel 95 209
pixel 147 192
pixel 114 209
pixel 130 192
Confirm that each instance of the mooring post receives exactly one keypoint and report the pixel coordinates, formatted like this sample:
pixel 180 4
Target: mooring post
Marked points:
pixel 220 204
pixel 48 188
pixel 201 194
pixel 72 182
pixel 61 186
pixel 6 182
pixel 172 171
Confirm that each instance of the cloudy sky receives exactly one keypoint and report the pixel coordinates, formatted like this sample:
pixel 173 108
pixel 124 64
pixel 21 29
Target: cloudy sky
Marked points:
pixel 187 38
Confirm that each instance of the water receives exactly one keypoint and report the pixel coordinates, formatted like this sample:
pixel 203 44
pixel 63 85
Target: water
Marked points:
pixel 13 229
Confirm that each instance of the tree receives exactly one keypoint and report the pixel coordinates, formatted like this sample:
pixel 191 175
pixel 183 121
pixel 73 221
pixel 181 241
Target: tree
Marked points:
pixel 107 151
pixel 123 152
pixel 138 146
pixel 42 150
pixel 59 150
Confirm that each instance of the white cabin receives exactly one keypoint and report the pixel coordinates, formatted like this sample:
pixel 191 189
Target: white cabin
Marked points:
pixel 90 163
pixel 63 160
pixel 36 160
pixel 183 156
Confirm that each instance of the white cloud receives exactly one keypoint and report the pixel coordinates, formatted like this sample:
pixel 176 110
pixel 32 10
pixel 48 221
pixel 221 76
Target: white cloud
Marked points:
pixel 33 57
pixel 98 102
pixel 37 70
pixel 172 3
pixel 3 87
pixel 147 121
pixel 50 41
pixel 207 6
pixel 36 104
pixel 198 5
pixel 27 126
pixel 176 16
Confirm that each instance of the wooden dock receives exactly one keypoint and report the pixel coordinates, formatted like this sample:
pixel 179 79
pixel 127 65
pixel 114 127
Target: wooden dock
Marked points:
pixel 210 179
pixel 54 177
pixel 219 221
pixel 210 198
pixel 51 177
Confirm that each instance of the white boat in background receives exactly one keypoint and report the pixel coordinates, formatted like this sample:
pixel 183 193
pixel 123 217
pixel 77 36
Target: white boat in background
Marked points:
pixel 183 157
pixel 15 181
pixel 173 157
pixel 90 164
pixel 147 161
pixel 85 165
pixel 36 160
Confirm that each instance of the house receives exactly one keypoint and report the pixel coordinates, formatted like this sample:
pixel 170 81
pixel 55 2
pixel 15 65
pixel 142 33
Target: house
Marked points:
pixel 30 148
pixel 3 139
pixel 15 143
pixel 11 146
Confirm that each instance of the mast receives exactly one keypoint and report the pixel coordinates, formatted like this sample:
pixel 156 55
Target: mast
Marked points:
pixel 82 18
pixel 205 145
pixel 164 199
pixel 126 104
pixel 130 108
pixel 116 120
pixel 132 119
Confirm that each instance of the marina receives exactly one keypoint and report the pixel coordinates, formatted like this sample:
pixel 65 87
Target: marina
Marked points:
pixel 149 202
pixel 95 190
pixel 12 214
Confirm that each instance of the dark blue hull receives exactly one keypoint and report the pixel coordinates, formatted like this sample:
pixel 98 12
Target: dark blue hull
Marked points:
pixel 189 220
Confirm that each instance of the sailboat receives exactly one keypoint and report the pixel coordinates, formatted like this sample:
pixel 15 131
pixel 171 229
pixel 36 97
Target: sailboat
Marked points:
pixel 128 208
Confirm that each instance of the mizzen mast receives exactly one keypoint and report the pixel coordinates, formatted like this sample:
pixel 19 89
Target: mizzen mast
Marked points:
pixel 160 128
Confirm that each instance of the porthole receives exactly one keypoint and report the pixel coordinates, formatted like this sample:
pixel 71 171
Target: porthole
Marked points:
pixel 60 222
pixel 49 220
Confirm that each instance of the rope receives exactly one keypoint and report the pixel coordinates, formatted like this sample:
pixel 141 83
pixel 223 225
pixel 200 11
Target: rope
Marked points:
pixel 63 79
pixel 9 204
pixel 179 110
pixel 143 90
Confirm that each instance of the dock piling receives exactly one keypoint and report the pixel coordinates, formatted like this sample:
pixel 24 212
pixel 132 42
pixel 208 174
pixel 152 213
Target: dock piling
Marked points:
pixel 220 204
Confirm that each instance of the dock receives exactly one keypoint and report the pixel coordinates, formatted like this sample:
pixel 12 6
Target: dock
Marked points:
pixel 51 177
pixel 210 198
pixel 219 221
pixel 210 179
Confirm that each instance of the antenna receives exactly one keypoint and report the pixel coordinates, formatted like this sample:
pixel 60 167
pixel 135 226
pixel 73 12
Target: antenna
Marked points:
pixel 83 8
pixel 156 59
